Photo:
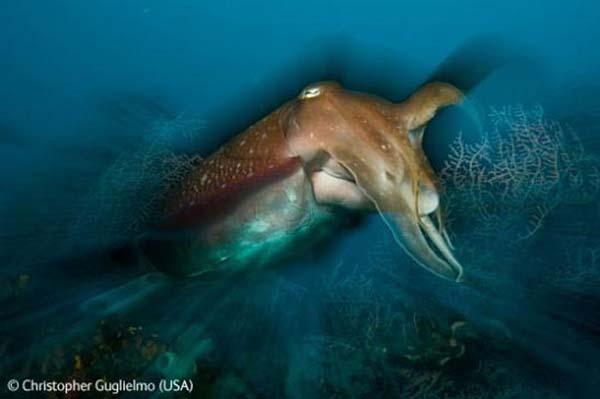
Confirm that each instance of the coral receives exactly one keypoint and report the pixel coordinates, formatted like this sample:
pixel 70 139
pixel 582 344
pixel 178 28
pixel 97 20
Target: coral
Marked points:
pixel 129 195
pixel 371 337
pixel 356 304
pixel 112 350
pixel 579 270
pixel 521 170
pixel 429 342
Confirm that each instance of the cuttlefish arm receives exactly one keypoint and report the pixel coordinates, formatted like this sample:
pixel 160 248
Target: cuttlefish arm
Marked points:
pixel 409 225
pixel 379 144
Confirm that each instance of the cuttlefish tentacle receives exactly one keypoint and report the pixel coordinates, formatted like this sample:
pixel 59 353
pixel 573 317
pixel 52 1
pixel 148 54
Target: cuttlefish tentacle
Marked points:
pixel 349 150
pixel 384 156
pixel 442 227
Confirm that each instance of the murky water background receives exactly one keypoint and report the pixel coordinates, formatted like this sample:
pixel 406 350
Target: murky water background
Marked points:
pixel 107 104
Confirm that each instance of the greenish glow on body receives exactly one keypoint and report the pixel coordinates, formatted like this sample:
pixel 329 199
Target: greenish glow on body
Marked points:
pixel 275 222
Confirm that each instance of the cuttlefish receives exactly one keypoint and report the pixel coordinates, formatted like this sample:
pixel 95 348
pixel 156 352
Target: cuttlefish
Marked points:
pixel 283 181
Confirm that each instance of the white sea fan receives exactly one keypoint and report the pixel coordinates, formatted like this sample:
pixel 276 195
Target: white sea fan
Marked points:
pixel 521 170
pixel 129 195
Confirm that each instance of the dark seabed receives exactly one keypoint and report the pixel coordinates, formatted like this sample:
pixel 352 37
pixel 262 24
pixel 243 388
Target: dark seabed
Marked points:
pixel 108 104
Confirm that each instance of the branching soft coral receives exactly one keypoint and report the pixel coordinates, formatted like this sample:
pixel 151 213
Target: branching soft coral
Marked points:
pixel 519 172
pixel 129 194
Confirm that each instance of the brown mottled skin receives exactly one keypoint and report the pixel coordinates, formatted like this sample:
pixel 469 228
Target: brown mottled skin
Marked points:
pixel 329 148
pixel 250 160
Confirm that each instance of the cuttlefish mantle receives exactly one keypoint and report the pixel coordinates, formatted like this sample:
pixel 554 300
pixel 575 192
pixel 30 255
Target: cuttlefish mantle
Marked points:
pixel 283 180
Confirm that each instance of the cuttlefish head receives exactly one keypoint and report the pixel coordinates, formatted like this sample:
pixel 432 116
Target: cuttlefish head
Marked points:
pixel 377 147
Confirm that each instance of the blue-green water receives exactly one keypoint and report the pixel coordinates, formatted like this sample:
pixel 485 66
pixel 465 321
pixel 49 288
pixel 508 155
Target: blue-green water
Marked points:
pixel 106 103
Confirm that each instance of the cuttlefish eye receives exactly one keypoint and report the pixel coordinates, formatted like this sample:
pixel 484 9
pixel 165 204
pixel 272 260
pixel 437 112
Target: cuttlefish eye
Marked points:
pixel 309 92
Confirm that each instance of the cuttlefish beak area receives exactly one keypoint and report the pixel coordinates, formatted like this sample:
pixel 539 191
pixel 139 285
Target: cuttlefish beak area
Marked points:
pixel 376 146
